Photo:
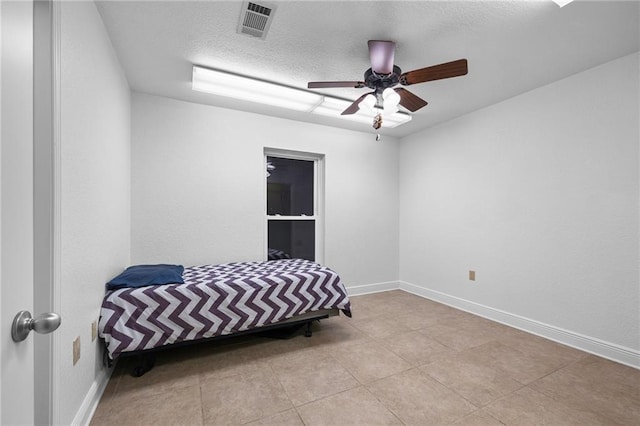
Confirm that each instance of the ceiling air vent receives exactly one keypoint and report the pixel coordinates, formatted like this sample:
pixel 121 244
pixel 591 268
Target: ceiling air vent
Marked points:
pixel 255 19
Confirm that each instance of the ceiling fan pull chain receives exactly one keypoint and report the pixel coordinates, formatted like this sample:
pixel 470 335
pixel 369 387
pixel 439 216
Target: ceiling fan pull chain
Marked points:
pixel 377 121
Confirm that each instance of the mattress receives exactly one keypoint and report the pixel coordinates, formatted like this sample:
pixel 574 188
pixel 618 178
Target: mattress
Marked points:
pixel 217 300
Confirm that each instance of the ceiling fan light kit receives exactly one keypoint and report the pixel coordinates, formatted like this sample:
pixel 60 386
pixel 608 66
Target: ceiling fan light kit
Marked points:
pixel 368 104
pixel 391 100
pixel 332 107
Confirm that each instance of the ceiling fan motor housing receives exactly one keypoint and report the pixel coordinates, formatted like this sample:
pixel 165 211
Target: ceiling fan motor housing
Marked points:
pixel 379 82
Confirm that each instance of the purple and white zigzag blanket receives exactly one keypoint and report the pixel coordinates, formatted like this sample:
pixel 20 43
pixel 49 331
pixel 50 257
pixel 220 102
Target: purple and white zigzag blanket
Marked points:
pixel 217 300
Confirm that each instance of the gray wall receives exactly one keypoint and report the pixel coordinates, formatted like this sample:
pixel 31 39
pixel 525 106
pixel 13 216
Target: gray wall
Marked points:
pixel 95 194
pixel 198 188
pixel 539 195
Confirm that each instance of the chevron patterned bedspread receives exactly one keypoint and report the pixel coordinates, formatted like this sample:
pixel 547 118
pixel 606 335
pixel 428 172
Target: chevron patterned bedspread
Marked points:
pixel 217 300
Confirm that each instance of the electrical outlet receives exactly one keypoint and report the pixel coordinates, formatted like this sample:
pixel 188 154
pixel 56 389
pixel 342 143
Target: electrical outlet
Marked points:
pixel 472 275
pixel 94 330
pixel 76 350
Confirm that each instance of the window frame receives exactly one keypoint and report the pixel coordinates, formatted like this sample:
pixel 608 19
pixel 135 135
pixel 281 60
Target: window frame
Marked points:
pixel 318 197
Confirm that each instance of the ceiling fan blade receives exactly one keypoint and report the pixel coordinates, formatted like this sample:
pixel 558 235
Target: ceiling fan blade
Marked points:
pixel 353 108
pixel 381 53
pixel 436 72
pixel 327 84
pixel 409 100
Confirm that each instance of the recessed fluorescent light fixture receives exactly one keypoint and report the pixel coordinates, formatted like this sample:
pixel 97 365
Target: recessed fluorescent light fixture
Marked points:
pixel 333 107
pixel 248 89
pixel 562 3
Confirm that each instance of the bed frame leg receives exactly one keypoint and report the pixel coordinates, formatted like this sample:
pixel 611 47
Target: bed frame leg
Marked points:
pixel 143 365
pixel 307 332
pixel 106 361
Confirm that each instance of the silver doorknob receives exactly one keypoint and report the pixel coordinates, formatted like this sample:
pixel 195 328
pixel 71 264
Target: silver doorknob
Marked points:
pixel 23 323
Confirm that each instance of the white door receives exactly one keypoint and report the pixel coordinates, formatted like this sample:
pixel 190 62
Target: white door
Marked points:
pixel 16 201
pixel 20 403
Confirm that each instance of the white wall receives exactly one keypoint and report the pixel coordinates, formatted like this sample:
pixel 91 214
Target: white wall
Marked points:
pixel 539 195
pixel 198 188
pixel 95 197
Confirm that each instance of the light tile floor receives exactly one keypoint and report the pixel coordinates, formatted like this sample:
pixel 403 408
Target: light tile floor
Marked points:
pixel 401 359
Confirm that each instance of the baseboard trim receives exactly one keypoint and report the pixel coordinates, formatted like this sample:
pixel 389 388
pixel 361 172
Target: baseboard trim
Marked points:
pixel 612 351
pixel 359 290
pixel 91 401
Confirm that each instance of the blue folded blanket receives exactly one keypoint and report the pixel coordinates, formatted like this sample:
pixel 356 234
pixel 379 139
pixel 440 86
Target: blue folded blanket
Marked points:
pixel 146 275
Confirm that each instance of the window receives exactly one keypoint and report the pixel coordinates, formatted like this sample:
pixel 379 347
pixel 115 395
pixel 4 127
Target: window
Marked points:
pixel 293 205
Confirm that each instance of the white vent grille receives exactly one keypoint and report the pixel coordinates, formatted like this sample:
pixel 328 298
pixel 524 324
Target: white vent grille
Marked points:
pixel 255 19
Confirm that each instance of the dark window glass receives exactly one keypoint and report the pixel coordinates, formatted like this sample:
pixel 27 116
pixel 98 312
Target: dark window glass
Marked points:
pixel 289 187
pixel 294 237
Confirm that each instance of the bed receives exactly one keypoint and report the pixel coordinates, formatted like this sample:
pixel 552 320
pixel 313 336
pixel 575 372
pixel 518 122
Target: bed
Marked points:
pixel 178 305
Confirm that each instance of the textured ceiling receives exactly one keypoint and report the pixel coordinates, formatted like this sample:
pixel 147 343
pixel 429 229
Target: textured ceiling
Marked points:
pixel 512 47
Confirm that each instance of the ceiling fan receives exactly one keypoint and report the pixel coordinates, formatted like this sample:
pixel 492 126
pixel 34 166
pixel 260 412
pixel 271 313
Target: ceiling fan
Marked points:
pixel 384 75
